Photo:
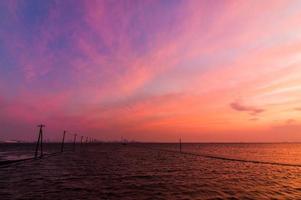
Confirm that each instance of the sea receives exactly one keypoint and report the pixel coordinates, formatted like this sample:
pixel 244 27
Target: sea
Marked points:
pixel 152 171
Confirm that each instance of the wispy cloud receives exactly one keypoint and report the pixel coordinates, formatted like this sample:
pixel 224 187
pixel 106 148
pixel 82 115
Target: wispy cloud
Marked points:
pixel 157 66
pixel 243 108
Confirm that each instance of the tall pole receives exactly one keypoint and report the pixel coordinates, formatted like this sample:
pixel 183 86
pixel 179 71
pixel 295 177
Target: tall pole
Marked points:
pixel 74 142
pixel 37 146
pixel 40 141
pixel 63 141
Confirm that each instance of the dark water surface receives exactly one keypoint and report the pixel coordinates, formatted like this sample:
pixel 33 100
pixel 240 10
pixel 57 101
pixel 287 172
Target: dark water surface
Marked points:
pixel 141 171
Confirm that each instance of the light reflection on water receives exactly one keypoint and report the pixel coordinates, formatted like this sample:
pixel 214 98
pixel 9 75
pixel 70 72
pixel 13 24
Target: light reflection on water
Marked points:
pixel 15 151
pixel 271 152
pixel 113 171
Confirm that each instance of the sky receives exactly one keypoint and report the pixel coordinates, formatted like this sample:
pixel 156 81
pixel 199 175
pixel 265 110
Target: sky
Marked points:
pixel 205 71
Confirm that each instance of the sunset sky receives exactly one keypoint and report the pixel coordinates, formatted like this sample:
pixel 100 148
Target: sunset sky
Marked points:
pixel 206 71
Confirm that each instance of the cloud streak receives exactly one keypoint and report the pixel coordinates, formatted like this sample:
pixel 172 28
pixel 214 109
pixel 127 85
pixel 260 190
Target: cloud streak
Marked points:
pixel 243 108
pixel 147 69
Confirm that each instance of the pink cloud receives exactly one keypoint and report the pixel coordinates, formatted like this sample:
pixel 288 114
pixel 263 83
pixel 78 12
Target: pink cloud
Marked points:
pixel 242 108
pixel 144 68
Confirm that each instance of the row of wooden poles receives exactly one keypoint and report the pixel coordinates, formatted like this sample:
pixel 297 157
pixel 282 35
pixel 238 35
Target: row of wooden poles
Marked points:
pixel 39 146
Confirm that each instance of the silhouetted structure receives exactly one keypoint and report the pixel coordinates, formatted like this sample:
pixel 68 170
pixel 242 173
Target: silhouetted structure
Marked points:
pixel 63 141
pixel 39 142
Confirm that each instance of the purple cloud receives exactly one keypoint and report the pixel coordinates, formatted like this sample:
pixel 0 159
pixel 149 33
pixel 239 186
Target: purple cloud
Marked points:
pixel 249 109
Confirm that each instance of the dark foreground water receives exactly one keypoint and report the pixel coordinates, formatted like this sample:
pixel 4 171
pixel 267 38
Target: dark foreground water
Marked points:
pixel 141 171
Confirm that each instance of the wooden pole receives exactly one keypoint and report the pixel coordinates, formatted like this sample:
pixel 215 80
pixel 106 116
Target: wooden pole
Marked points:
pixel 40 142
pixel 37 146
pixel 63 141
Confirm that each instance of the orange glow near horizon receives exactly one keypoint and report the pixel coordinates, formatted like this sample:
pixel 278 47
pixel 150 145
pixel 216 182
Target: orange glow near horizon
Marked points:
pixel 226 71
